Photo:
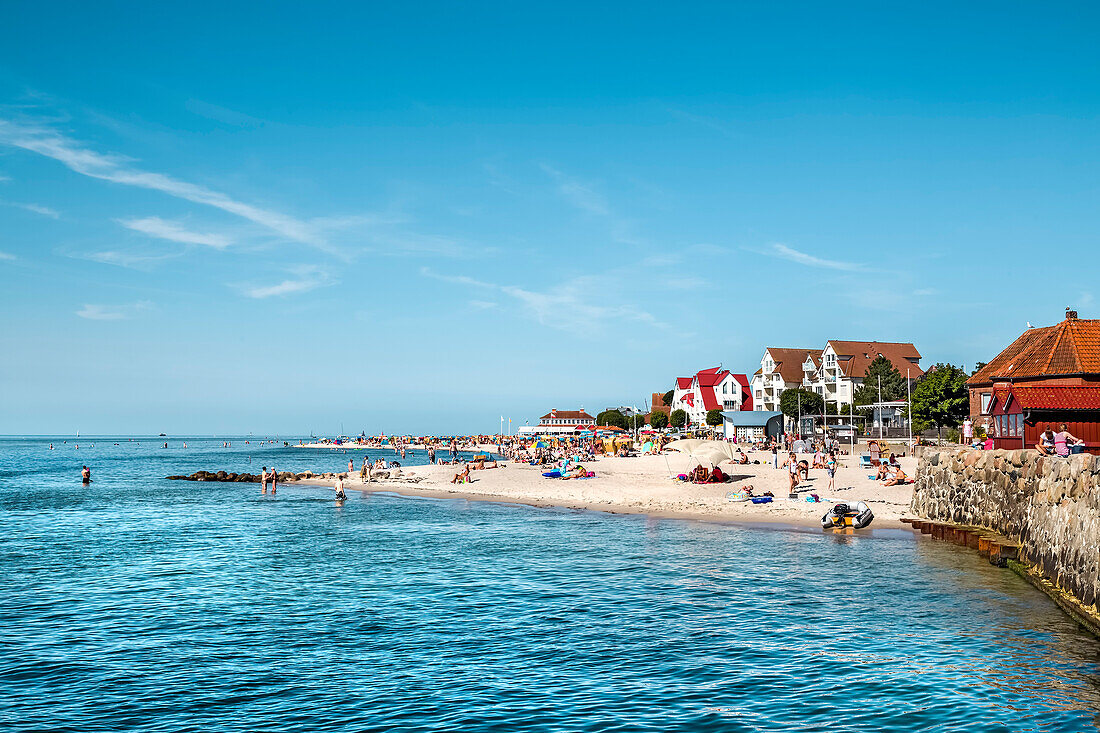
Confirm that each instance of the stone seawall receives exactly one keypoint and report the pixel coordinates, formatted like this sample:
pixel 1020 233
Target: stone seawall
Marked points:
pixel 1050 505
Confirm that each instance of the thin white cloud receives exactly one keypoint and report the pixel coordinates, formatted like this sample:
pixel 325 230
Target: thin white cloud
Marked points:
pixel 129 260
pixel 99 312
pixel 569 306
pixel 482 305
pixel 8 256
pixel 580 194
pixel 304 279
pixel 37 209
pixel 115 169
pixel 920 292
pixel 802 258
pixel 174 232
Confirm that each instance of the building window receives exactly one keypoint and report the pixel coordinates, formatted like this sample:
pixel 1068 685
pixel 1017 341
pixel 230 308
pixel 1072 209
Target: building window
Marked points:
pixel 986 398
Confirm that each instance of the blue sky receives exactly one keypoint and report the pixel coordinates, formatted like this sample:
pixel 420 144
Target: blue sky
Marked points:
pixel 420 217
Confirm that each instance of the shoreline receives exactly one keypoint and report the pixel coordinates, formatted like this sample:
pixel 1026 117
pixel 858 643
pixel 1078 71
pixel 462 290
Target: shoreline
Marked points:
pixel 642 486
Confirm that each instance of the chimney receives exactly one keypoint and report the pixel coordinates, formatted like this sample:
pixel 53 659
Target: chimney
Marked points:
pixel 1071 315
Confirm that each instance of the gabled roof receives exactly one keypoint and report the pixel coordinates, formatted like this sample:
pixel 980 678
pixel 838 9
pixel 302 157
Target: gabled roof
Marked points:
pixel 746 391
pixel 788 362
pixel 683 382
pixel 567 415
pixel 1050 398
pixel 856 356
pixel 1071 347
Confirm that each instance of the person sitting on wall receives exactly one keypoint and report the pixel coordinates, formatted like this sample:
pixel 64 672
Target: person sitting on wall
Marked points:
pixel 1046 441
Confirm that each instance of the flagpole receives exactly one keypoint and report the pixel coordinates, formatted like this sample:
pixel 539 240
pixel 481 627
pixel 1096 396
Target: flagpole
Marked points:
pixel 909 407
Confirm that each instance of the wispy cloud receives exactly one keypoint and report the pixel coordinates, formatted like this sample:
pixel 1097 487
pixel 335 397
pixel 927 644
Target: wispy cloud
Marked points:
pixel 802 258
pixel 129 260
pixel 36 209
pixel 585 197
pixel 221 114
pixel 568 306
pixel 174 232
pixel 303 280
pixel 97 312
pixel 580 194
pixel 6 256
pixel 116 169
pixel 922 292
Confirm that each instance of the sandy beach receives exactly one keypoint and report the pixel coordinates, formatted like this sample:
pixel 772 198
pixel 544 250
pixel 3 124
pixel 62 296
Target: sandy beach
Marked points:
pixel 643 485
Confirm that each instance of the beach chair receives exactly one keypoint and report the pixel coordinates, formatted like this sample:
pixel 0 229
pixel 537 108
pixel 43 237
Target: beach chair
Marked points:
pixel 864 460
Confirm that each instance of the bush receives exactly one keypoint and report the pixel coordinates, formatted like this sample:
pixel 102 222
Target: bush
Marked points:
pixel 613 418
pixel 678 419
pixel 658 420
pixel 714 418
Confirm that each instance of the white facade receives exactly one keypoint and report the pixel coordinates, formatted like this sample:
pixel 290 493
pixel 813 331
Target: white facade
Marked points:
pixel 768 384
pixel 829 380
pixel 720 391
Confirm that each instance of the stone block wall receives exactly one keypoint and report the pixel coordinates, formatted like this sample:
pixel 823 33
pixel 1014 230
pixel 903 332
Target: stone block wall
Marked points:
pixel 1050 505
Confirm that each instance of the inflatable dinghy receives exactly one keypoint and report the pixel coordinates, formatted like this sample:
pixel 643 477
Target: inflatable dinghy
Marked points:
pixel 856 515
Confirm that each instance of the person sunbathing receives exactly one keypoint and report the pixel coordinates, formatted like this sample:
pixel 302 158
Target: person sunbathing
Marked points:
pixel 462 478
pixel 897 478
pixel 717 476
pixel 578 471
pixel 742 459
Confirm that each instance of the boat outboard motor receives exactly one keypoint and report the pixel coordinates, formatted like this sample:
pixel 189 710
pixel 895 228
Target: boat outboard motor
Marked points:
pixel 856 515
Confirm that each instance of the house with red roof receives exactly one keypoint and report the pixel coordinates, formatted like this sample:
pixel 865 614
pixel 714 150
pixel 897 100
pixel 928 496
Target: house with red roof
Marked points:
pixel 711 389
pixel 834 372
pixel 1047 376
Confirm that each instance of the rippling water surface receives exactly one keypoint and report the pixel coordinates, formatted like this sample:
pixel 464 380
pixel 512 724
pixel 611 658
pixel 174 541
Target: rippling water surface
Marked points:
pixel 141 603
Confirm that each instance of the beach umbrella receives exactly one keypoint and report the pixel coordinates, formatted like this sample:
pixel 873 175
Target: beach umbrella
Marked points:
pixel 709 451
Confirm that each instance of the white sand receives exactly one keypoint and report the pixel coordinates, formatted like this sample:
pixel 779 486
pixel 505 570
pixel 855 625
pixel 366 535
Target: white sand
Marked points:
pixel 642 486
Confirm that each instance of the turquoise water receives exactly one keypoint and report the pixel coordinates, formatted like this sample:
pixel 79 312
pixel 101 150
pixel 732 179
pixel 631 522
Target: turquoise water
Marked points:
pixel 143 604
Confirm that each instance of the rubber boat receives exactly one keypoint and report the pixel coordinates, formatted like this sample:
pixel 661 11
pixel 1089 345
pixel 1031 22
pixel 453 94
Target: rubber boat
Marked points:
pixel 856 515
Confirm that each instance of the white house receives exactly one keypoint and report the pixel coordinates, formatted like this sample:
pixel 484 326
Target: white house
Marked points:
pixel 844 363
pixel 780 369
pixel 711 389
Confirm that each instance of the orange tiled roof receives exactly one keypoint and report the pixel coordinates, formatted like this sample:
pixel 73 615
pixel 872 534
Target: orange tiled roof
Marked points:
pixel 1052 398
pixel 862 353
pixel 788 362
pixel 1071 347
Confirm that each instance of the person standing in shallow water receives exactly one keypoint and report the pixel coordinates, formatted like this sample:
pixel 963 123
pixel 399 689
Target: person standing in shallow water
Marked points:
pixel 263 480
pixel 274 479
pixel 85 475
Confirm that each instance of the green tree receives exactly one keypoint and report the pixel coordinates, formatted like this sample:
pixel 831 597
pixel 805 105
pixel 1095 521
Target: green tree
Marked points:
pixel 940 397
pixel 658 420
pixel 667 397
pixel 678 419
pixel 611 417
pixel 797 400
pixel 978 367
pixel 714 418
pixel 893 383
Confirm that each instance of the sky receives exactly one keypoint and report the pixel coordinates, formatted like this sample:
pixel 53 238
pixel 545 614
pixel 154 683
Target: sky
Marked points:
pixel 421 217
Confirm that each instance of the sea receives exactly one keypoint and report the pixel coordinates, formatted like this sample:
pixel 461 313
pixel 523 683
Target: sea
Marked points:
pixel 141 604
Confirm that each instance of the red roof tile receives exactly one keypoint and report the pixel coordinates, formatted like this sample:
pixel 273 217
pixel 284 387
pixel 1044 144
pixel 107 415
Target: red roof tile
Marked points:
pixel 1071 347
pixel 1052 398
pixel 788 362
pixel 904 356
pixel 567 415
pixel 683 382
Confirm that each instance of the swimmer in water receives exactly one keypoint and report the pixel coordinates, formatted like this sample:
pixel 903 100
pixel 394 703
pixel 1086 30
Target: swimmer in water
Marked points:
pixel 86 475
pixel 340 495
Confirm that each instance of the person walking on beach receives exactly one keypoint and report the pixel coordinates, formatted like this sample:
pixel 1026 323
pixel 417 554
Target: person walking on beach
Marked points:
pixel 830 470
pixel 793 471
